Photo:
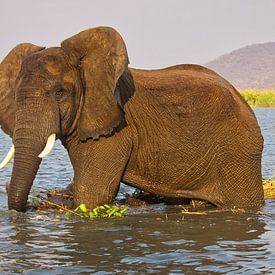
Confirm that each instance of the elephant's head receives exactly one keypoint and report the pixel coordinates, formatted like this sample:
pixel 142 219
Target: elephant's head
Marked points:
pixel 58 91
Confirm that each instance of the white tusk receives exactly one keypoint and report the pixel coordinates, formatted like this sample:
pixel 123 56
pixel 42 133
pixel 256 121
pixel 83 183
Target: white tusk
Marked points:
pixel 8 157
pixel 49 146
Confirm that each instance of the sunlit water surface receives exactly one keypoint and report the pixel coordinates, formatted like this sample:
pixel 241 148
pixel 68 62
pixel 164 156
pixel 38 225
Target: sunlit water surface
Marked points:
pixel 149 239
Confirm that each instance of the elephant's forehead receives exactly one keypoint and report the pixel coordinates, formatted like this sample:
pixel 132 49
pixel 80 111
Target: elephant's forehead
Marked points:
pixel 49 64
pixel 60 71
pixel 53 68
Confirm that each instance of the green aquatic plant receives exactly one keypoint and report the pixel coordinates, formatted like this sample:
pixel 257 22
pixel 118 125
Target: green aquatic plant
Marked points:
pixel 103 211
pixel 38 201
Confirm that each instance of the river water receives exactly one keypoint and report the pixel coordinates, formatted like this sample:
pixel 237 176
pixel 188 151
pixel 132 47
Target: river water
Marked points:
pixel 149 239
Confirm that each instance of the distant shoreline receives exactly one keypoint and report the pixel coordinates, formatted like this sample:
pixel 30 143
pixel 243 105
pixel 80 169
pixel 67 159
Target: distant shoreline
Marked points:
pixel 259 98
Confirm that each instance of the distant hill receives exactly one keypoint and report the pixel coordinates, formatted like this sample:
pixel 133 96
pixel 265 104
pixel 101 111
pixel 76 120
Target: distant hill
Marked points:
pixel 248 67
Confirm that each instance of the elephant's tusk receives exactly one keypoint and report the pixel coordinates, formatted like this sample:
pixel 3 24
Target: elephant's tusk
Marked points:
pixel 49 146
pixel 8 157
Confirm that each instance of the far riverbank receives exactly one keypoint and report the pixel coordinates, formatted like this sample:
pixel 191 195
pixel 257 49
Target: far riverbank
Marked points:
pixel 259 98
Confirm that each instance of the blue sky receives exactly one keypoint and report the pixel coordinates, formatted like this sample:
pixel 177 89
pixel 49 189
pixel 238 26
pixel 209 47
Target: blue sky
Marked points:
pixel 157 33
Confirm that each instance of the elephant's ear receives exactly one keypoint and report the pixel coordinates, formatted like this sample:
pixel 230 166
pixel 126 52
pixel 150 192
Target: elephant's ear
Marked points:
pixel 102 55
pixel 9 69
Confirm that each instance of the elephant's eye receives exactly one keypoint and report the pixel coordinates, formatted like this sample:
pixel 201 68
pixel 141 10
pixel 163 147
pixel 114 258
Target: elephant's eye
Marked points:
pixel 58 92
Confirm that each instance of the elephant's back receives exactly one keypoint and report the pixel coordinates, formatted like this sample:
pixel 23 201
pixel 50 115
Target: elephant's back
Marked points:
pixel 191 87
pixel 191 102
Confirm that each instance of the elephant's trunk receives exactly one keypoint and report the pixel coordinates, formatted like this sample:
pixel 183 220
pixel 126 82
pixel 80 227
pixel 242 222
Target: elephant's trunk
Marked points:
pixel 29 141
pixel 26 164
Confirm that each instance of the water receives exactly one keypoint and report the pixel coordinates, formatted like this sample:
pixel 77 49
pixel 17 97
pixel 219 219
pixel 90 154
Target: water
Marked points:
pixel 150 239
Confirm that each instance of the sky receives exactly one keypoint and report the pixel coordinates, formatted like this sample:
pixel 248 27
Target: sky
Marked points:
pixel 157 33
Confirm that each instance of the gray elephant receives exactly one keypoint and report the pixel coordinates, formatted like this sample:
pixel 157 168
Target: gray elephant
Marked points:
pixel 180 132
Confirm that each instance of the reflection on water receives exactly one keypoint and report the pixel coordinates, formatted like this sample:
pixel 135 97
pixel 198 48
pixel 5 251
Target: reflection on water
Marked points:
pixel 148 240
pixel 217 242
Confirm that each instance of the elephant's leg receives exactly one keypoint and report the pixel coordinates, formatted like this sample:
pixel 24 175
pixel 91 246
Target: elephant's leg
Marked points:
pixel 239 183
pixel 97 179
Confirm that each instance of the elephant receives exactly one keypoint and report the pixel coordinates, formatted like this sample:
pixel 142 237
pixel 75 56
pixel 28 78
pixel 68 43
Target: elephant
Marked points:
pixel 178 132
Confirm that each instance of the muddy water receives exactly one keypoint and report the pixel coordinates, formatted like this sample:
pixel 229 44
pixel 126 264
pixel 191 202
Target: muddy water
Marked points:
pixel 150 239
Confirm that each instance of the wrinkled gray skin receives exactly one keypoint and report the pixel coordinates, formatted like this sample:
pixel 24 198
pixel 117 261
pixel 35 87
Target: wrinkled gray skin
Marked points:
pixel 181 132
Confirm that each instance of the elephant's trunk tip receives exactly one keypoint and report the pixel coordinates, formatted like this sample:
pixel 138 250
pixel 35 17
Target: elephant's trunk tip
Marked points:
pixel 15 203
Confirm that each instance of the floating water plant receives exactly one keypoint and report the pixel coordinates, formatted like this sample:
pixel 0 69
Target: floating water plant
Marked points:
pixel 39 201
pixel 103 211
